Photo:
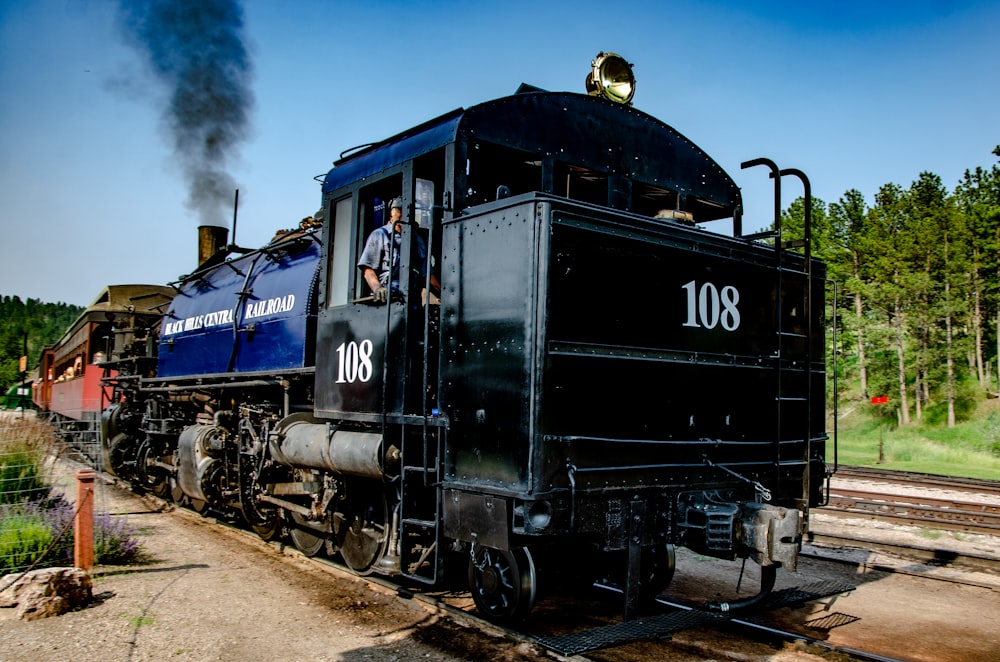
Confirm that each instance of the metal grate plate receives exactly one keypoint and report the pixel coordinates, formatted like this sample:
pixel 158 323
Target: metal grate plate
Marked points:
pixel 663 625
pixel 629 631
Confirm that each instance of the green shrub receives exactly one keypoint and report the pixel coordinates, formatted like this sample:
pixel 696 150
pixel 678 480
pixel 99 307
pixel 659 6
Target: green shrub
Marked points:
pixel 24 536
pixel 991 434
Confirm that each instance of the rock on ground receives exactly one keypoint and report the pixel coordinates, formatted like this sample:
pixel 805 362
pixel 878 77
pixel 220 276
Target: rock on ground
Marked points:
pixel 45 592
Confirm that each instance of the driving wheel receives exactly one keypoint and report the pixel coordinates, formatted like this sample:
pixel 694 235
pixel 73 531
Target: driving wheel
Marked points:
pixel 306 539
pixel 265 521
pixel 177 494
pixel 149 476
pixel 364 531
pixel 121 456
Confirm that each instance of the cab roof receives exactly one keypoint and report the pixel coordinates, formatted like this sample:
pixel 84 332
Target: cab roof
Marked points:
pixel 576 129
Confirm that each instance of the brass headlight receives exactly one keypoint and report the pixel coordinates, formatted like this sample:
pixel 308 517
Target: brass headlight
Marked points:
pixel 611 77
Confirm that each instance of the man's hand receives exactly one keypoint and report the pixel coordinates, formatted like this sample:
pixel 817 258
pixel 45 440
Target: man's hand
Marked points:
pixel 381 295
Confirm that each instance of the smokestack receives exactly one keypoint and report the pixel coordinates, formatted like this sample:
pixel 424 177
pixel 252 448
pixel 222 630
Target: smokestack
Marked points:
pixel 211 239
pixel 196 50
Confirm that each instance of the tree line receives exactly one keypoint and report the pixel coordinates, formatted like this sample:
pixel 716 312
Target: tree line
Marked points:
pixel 33 324
pixel 918 274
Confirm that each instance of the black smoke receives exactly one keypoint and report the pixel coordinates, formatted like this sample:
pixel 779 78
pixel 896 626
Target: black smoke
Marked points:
pixel 196 49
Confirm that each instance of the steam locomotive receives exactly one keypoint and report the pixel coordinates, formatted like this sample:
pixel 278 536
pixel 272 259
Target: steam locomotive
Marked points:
pixel 596 372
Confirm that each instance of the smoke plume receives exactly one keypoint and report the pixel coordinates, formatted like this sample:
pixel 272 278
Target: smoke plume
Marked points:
pixel 195 48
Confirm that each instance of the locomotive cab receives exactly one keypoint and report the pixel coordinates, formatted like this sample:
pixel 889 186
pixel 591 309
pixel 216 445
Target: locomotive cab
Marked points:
pixel 370 351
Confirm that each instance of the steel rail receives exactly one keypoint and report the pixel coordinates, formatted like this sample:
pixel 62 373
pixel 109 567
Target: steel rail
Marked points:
pixel 915 479
pixel 971 516
pixel 820 545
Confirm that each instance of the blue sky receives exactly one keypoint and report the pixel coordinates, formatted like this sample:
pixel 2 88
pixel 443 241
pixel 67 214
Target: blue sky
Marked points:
pixel 855 94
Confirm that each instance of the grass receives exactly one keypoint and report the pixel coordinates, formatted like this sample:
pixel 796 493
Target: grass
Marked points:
pixel 141 620
pixel 23 538
pixel 971 448
pixel 24 445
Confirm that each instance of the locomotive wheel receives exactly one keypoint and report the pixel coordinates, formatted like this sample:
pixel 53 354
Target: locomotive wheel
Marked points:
pixel 150 477
pixel 503 583
pixel 121 456
pixel 265 521
pixel 267 529
pixel 655 573
pixel 364 533
pixel 658 564
pixel 176 493
pixel 307 540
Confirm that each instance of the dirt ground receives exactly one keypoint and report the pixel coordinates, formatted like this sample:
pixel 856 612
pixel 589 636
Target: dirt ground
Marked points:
pixel 907 614
pixel 211 594
pixel 208 593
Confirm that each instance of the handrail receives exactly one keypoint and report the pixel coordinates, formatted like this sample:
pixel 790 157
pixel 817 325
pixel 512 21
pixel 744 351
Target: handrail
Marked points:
pixel 778 313
pixel 807 237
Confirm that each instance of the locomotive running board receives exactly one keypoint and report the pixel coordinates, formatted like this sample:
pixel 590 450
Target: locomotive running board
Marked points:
pixel 657 627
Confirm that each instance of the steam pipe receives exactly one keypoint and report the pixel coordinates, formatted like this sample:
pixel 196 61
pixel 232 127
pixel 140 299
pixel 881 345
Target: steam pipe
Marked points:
pixel 767 576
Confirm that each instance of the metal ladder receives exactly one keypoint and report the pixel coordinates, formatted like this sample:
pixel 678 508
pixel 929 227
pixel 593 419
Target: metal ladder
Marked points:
pixel 784 335
pixel 420 504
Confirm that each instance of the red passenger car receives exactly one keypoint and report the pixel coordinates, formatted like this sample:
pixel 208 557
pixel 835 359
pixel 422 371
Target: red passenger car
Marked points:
pixel 114 326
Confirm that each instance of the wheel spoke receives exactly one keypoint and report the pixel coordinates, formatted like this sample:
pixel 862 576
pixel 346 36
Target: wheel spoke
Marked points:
pixel 502 583
pixel 150 476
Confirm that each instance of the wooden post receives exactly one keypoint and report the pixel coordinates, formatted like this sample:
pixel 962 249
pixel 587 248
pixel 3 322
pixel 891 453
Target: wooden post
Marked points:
pixel 83 528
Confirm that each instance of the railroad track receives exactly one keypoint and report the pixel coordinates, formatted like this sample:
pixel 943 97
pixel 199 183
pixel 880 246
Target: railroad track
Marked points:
pixel 604 633
pixel 912 478
pixel 602 622
pixel 882 498
pixel 926 558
